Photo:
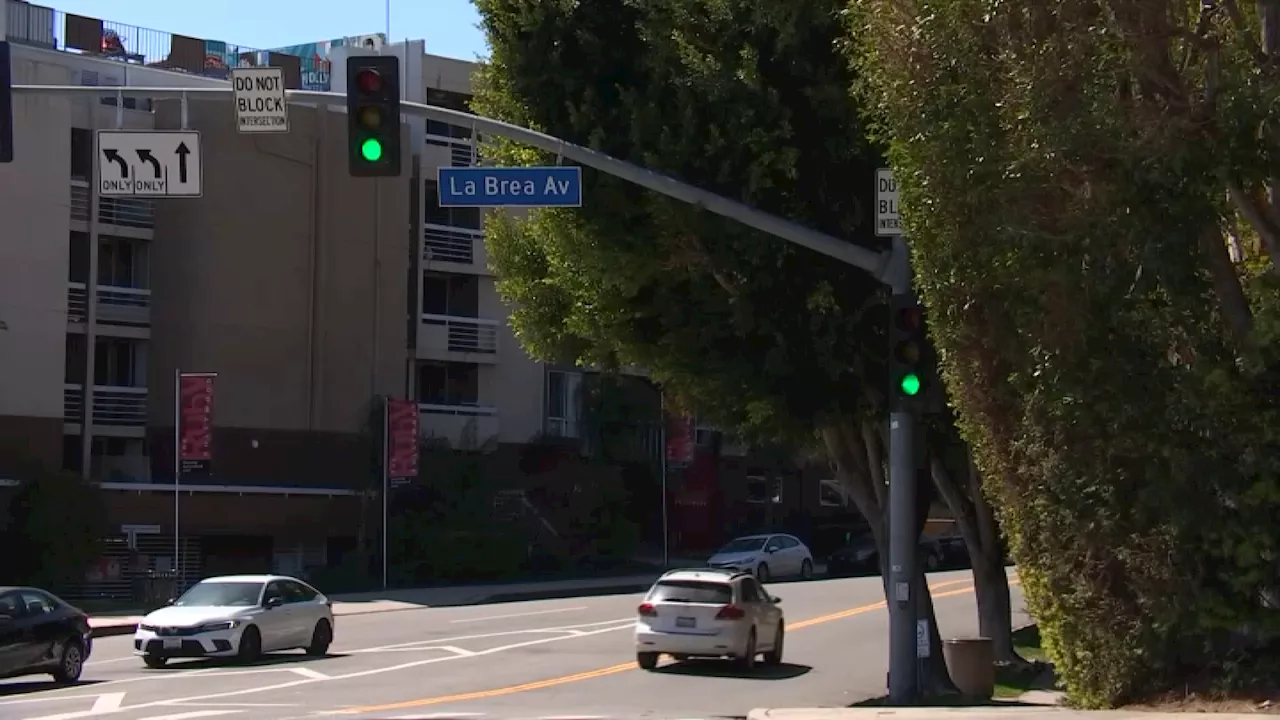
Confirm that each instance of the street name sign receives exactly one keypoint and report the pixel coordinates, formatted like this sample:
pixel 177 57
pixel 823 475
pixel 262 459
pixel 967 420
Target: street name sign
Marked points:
pixel 260 101
pixel 518 187
pixel 143 163
pixel 888 223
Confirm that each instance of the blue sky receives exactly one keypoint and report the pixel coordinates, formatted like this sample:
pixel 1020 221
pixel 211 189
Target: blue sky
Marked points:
pixel 447 26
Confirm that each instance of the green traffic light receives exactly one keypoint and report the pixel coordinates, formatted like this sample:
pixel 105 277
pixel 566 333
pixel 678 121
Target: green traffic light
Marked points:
pixel 371 150
pixel 910 384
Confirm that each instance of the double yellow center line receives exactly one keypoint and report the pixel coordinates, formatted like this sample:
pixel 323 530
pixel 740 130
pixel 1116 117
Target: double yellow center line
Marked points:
pixel 623 667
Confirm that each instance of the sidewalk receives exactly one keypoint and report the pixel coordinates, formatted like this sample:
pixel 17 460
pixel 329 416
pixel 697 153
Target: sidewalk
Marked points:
pixel 394 600
pixel 1007 711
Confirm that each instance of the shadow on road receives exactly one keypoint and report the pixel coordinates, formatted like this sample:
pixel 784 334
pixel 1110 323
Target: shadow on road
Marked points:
pixel 30 686
pixel 722 669
pixel 264 661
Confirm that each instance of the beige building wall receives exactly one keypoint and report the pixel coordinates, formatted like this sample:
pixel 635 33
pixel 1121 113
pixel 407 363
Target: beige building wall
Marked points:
pixel 286 278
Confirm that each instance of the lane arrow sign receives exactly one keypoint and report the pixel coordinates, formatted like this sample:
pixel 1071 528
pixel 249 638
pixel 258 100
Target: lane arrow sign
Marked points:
pixel 147 157
pixel 183 151
pixel 113 156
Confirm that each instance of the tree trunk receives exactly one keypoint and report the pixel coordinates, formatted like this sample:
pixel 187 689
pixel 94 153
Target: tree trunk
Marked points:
pixel 1226 285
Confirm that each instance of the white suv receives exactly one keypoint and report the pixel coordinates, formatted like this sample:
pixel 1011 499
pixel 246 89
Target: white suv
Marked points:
pixel 709 613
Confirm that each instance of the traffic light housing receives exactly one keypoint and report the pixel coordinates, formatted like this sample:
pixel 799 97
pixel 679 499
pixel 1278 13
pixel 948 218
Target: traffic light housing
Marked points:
pixel 373 116
pixel 6 104
pixel 909 348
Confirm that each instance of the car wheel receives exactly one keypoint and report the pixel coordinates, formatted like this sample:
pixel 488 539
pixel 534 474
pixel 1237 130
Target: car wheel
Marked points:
pixel 70 663
pixel 806 570
pixel 647 660
pixel 762 572
pixel 321 639
pixel 250 645
pixel 774 656
pixel 748 659
pixel 154 661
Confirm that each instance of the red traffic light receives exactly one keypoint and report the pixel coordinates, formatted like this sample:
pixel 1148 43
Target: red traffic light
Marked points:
pixel 369 81
pixel 910 319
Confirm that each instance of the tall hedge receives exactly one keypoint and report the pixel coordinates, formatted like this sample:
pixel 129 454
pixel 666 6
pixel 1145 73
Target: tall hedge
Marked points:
pixel 1057 203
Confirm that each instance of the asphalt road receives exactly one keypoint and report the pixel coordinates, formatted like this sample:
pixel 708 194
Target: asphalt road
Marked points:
pixel 566 659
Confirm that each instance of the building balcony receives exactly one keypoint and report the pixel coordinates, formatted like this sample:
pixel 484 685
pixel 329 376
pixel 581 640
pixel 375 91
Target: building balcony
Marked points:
pixel 113 405
pixel 454 246
pixel 465 427
pixel 461 151
pixel 131 213
pixel 116 305
pixel 466 339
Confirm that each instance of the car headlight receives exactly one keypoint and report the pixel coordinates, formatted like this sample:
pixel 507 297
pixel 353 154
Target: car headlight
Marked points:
pixel 220 625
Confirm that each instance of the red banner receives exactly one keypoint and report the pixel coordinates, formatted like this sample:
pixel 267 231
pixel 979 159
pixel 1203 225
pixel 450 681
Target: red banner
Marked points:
pixel 402 439
pixel 195 421
pixel 680 439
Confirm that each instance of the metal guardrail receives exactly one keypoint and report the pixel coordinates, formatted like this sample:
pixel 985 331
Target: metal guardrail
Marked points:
pixel 112 405
pixel 45 27
pixel 120 305
pixel 459 409
pixel 138 213
pixel 464 334
pixel 442 243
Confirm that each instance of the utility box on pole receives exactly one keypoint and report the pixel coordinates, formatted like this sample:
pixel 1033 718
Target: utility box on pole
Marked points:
pixel 6 102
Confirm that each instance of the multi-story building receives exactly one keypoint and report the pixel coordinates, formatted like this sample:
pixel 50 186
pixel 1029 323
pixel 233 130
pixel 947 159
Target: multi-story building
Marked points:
pixel 307 291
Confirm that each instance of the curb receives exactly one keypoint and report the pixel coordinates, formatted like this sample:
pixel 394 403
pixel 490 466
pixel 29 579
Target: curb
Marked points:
pixel 566 593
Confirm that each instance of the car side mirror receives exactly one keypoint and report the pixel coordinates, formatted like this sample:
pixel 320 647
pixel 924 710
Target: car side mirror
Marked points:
pixel 274 602
pixel 6 619
pixel 771 550
pixel 775 599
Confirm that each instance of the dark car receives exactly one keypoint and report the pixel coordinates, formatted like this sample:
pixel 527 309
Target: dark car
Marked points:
pixel 859 556
pixel 40 633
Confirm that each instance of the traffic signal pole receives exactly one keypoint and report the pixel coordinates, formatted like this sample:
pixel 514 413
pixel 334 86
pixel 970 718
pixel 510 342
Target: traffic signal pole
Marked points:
pixel 891 268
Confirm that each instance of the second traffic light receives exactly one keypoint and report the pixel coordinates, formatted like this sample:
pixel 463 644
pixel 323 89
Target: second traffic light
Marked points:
pixel 373 116
pixel 907 373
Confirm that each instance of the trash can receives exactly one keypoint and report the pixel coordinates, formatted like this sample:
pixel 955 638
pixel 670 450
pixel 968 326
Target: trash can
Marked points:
pixel 971 663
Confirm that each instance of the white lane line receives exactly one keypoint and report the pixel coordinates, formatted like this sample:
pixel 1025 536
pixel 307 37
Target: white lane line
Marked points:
pixel 517 615
pixel 454 650
pixel 193 715
pixel 562 629
pixel 108 702
pixel 364 673
pixel 112 660
pixel 307 672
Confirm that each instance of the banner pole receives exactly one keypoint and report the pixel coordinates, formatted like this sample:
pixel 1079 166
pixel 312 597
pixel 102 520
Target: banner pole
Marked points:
pixel 386 483
pixel 177 471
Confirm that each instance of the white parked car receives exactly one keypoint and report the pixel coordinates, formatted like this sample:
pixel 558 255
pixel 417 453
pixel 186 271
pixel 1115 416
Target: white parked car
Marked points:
pixel 766 556
pixel 709 613
pixel 240 616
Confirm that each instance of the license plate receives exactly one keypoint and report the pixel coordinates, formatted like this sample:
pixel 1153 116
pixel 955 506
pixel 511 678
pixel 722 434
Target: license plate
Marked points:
pixel 173 643
pixel 686 622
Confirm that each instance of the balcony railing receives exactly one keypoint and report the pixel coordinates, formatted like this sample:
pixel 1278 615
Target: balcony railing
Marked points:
pixel 116 305
pixel 464 426
pixel 462 152
pixel 112 405
pixel 442 243
pixel 121 212
pixel 459 334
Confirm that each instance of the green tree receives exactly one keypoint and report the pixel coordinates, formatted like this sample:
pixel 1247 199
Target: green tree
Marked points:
pixel 745 98
pixel 1065 171
pixel 57 523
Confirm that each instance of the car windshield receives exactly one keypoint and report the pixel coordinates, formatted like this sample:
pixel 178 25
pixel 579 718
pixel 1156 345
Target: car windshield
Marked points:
pixel 741 545
pixel 221 594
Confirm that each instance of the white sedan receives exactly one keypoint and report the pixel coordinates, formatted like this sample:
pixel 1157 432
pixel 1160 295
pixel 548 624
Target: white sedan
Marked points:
pixel 709 613
pixel 240 616
pixel 767 556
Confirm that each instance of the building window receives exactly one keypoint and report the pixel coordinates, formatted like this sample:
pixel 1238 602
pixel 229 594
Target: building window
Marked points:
pixel 831 495
pixel 761 489
pixel 456 295
pixel 79 252
pixel 119 362
pixel 563 400
pixel 81 154
pixel 466 218
pixel 76 359
pixel 448 383
pixel 122 262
